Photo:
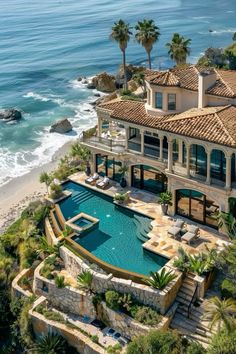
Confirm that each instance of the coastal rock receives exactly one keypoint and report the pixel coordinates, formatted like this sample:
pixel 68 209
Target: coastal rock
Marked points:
pixel 61 126
pixel 104 99
pixel 10 115
pixel 104 82
pixel 131 70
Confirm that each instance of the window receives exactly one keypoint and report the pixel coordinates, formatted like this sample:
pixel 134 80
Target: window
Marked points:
pixel 171 101
pixel 158 100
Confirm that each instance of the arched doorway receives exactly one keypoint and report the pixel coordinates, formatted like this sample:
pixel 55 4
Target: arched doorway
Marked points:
pixel 196 206
pixel 148 178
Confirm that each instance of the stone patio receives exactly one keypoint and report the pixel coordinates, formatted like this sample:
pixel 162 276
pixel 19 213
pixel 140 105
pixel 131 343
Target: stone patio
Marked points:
pixel 160 242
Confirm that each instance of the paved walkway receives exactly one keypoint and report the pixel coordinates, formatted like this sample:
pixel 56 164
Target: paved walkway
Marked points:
pixel 160 242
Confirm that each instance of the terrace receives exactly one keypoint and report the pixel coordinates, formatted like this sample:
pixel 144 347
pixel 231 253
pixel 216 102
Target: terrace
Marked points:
pixel 159 241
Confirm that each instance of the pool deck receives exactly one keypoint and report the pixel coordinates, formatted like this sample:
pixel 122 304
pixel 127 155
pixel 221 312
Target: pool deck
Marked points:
pixel 160 242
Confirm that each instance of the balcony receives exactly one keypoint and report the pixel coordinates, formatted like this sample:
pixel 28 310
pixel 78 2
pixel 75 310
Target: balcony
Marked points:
pixel 108 144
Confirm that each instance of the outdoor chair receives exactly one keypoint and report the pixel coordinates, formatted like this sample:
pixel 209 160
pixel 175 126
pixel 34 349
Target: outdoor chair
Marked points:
pixel 191 235
pixel 103 183
pixel 179 223
pixel 174 231
pixel 92 179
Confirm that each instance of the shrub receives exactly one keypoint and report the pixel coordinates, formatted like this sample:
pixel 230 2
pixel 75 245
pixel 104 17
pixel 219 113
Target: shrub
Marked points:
pixel 46 271
pixel 55 191
pixel 112 299
pixel 147 316
pixel 115 349
pixel 60 281
pixel 97 299
pixel 160 280
pixel 161 342
pixel 85 280
pixel 40 309
pixel 195 348
pixel 53 316
pixel 94 338
pixel 223 342
pixel 126 301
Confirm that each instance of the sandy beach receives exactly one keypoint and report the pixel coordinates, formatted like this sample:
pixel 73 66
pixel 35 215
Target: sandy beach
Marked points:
pixel 16 195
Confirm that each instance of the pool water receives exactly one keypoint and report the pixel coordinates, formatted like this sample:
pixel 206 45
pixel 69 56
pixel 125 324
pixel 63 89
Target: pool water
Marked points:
pixel 120 233
pixel 82 222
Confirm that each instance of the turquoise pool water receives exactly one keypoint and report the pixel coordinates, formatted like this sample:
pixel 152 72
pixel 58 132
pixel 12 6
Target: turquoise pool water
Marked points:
pixel 120 233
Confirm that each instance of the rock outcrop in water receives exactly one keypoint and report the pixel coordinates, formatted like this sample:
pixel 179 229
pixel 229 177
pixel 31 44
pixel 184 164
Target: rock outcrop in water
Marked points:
pixel 61 126
pixel 103 82
pixel 9 115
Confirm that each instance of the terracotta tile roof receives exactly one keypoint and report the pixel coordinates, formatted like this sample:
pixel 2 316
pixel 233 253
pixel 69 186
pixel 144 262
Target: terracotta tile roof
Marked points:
pixel 214 124
pixel 131 111
pixel 187 77
pixel 225 84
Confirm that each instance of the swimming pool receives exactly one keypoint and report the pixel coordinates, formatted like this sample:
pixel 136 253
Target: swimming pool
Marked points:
pixel 120 233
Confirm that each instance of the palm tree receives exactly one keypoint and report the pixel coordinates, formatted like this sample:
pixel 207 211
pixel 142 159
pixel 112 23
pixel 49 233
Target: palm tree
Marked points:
pixel 220 312
pixel 121 32
pixel 45 178
pixel 179 48
pixel 147 34
pixel 227 222
pixel 51 344
pixel 160 280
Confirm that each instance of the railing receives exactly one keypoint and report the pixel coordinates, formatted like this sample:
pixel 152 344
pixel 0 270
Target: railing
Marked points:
pixel 98 141
pixel 192 300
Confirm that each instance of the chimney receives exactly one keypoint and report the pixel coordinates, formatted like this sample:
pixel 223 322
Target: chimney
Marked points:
pixel 206 79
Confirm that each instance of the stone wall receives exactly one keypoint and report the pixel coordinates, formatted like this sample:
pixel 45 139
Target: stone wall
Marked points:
pixel 75 338
pixel 126 325
pixel 17 290
pixel 67 299
pixel 161 300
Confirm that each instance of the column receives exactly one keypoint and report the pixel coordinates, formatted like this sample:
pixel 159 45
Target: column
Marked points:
pixel 142 142
pixel 170 154
pixel 99 127
pixel 126 138
pixel 188 160
pixel 208 177
pixel 180 154
pixel 161 148
pixel 228 171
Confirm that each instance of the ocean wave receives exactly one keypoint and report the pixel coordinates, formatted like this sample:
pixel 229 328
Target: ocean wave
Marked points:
pixel 19 163
pixel 219 32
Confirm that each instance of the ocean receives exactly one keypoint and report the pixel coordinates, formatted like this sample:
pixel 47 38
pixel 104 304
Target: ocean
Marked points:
pixel 46 45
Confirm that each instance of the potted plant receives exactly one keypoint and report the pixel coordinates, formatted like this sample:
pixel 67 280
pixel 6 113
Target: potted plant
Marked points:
pixel 123 170
pixel 165 200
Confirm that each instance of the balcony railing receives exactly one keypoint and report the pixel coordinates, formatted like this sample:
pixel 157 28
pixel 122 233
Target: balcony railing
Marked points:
pixel 104 143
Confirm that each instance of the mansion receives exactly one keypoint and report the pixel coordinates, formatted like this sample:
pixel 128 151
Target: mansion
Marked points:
pixel 183 138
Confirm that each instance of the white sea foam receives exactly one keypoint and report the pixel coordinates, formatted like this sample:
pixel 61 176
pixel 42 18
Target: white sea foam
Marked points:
pixel 17 164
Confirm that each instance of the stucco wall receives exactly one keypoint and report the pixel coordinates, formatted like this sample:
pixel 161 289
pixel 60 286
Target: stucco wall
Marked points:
pixel 160 300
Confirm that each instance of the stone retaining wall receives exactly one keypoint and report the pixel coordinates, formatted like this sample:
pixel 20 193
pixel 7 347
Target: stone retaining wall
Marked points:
pixel 51 238
pixel 126 325
pixel 75 338
pixel 67 299
pixel 161 300
pixel 17 290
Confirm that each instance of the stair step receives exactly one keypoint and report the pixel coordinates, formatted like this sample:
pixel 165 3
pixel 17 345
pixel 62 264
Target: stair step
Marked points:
pixel 182 300
pixel 185 296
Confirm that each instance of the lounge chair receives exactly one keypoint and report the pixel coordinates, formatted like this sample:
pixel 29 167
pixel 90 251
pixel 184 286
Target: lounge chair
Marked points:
pixel 191 235
pixel 103 183
pixel 179 223
pixel 92 179
pixel 174 231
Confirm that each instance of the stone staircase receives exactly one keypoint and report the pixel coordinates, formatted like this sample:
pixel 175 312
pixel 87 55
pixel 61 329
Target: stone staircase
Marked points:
pixel 188 317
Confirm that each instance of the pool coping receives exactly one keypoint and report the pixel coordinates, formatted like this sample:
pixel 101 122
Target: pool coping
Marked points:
pixel 71 222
